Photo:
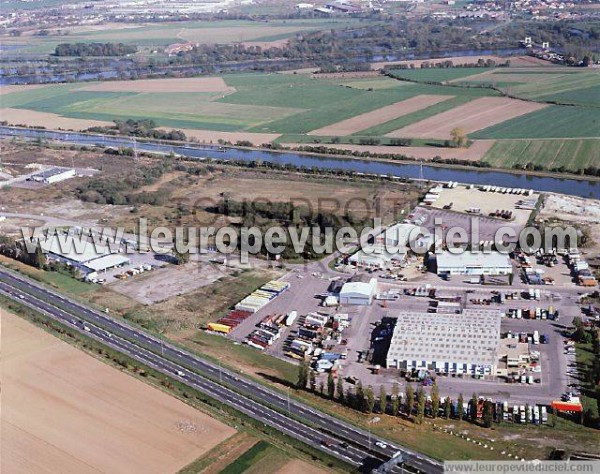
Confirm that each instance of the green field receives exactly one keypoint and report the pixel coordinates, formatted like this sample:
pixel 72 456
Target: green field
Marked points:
pixel 555 121
pixel 570 154
pixel 259 457
pixel 438 74
pixel 565 85
pixel 163 34
pixel 295 104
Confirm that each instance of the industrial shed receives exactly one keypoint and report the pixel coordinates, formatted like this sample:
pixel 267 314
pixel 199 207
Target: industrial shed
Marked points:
pixel 473 263
pixel 358 292
pixel 53 175
pixel 465 343
pixel 85 255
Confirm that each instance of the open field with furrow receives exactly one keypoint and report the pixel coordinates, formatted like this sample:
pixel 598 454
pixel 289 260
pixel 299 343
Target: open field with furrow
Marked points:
pixel 570 154
pixel 475 115
pixel 64 411
pixel 382 115
pixel 184 84
pixel 554 121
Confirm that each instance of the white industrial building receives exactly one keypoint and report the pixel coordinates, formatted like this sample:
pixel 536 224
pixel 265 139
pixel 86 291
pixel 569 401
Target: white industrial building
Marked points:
pixel 81 253
pixel 358 292
pixel 464 343
pixel 53 175
pixel 392 246
pixel 473 263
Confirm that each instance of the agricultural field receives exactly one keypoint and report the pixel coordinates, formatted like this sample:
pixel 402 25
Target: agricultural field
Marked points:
pixel 346 108
pixel 570 154
pixel 470 117
pixel 64 411
pixel 548 83
pixel 440 75
pixel 384 114
pixel 150 36
pixel 554 121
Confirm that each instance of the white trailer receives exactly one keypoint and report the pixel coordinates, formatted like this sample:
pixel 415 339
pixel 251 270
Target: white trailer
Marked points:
pixel 291 317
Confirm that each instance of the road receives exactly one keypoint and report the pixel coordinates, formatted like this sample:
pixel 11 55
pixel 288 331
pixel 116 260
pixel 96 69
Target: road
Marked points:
pixel 272 408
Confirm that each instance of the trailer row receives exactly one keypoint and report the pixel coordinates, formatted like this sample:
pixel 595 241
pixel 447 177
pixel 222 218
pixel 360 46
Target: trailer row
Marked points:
pixel 536 313
pixel 261 297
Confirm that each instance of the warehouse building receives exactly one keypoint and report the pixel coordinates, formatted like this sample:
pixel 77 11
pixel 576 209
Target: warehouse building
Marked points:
pixel 53 175
pixel 465 343
pixel 85 255
pixel 473 263
pixel 358 292
pixel 392 247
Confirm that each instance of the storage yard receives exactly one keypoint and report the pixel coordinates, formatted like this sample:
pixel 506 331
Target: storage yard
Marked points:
pixel 507 204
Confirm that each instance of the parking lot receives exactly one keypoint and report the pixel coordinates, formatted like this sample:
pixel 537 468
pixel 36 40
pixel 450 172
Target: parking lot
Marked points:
pixel 304 296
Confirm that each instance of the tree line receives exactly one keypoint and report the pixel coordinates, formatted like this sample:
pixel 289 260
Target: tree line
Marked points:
pixel 94 49
pixel 412 404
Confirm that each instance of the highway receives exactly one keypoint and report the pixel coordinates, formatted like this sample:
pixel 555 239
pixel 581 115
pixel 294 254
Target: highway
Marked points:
pixel 297 420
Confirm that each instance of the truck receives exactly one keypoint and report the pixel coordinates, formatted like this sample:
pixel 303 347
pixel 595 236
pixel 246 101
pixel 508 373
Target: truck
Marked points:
pixel 544 415
pixel 536 337
pixel 291 317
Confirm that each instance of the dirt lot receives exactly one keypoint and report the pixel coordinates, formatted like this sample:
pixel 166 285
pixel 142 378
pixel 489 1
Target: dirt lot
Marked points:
pixel 574 210
pixel 188 84
pixel 475 115
pixel 211 136
pixel 325 195
pixel 463 199
pixel 475 152
pixel 170 281
pixel 382 115
pixel 64 411
pixel 47 119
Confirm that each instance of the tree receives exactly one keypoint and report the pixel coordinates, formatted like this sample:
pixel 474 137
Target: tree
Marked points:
pixel 410 399
pixel 447 408
pixel 330 385
pixel 435 401
pixel 360 397
pixel 312 379
pixel 181 258
pixel 473 408
pixel 303 369
pixel 460 407
pixel 340 389
pixel 39 258
pixel 488 414
pixel 395 400
pixel 369 399
pixel 458 137
pixel 420 405
pixel 382 399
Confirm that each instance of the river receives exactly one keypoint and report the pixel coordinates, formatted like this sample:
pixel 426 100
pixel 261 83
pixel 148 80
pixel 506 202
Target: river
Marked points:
pixel 575 187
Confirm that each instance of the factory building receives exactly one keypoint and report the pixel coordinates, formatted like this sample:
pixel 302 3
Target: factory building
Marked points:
pixel 465 343
pixel 392 247
pixel 53 175
pixel 473 263
pixel 85 255
pixel 358 292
